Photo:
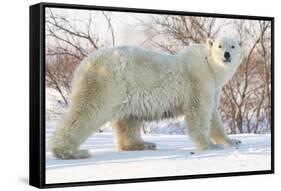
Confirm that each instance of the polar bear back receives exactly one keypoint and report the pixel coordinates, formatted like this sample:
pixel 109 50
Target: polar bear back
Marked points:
pixel 142 66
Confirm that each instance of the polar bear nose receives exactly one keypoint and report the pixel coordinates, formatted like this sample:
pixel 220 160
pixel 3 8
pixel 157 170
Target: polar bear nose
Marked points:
pixel 227 55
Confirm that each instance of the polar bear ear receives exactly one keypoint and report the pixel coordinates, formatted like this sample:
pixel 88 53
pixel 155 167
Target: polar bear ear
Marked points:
pixel 210 42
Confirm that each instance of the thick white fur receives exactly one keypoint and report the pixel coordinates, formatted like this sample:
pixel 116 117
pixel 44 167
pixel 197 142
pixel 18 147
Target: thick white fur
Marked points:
pixel 127 85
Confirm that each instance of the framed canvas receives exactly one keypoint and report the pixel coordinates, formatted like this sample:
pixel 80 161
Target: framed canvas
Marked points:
pixel 122 95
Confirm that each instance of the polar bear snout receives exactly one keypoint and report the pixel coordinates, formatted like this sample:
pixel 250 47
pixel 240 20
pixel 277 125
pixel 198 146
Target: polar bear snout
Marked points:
pixel 227 56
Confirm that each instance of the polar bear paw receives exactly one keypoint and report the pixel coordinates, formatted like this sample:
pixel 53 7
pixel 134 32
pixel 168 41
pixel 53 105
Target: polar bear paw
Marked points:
pixel 138 146
pixel 79 154
pixel 149 146
pixel 215 147
pixel 212 147
pixel 234 143
pixel 143 146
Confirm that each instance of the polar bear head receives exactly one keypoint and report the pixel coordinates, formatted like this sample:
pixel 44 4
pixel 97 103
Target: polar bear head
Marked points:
pixel 226 52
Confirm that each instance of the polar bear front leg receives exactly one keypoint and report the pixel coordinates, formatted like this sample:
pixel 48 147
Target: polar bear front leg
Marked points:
pixel 198 122
pixel 218 133
pixel 127 134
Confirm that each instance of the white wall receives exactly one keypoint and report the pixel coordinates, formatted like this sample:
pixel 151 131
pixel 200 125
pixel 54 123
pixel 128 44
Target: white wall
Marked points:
pixel 14 93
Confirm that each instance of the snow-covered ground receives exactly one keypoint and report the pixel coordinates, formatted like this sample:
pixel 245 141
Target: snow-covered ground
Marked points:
pixel 173 157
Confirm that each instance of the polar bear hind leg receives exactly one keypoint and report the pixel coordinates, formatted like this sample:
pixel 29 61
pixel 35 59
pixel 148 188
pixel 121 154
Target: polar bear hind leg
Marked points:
pixel 127 134
pixel 72 131
pixel 83 117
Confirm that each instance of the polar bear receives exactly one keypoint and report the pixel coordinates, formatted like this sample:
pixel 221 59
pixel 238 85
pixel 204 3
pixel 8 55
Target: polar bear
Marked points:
pixel 128 85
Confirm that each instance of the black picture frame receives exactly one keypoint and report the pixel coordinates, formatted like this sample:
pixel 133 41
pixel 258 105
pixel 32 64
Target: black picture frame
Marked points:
pixel 37 94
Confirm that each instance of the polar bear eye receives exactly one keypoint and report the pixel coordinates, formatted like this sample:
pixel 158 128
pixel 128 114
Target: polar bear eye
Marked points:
pixel 219 46
pixel 232 46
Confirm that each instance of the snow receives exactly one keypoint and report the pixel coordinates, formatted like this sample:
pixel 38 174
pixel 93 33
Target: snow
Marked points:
pixel 173 157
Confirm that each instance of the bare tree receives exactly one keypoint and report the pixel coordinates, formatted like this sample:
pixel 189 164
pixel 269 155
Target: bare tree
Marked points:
pixel 74 37
pixel 107 16
pixel 59 72
pixel 244 96
pixel 171 33
pixel 69 40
